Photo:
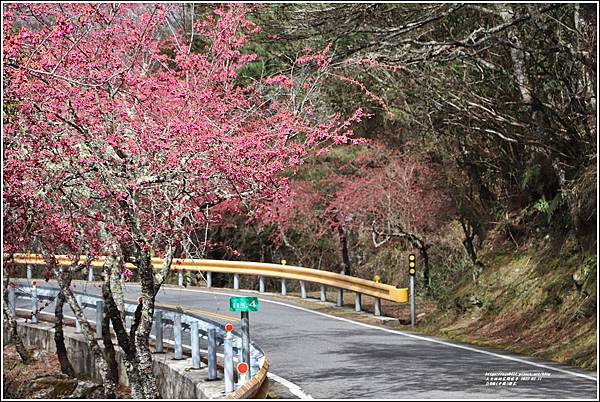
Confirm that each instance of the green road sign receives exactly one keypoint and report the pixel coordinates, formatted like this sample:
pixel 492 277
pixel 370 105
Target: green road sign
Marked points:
pixel 239 304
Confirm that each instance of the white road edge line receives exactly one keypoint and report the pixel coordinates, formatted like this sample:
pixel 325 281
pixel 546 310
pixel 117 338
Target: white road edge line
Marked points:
pixel 516 359
pixel 293 388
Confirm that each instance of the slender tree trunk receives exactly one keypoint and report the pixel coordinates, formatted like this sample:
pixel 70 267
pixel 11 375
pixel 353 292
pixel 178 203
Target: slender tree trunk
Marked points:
pixel 116 286
pixel 143 327
pixel 426 275
pixel 343 235
pixel 11 321
pixel 116 316
pixel 59 338
pixel 109 385
pixel 517 55
pixel 109 349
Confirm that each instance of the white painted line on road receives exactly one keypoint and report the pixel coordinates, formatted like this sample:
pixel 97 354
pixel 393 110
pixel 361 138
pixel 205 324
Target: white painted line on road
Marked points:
pixel 293 388
pixel 485 352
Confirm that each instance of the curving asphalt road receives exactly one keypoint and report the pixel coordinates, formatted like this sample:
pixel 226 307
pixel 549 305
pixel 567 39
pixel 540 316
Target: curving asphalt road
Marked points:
pixel 333 358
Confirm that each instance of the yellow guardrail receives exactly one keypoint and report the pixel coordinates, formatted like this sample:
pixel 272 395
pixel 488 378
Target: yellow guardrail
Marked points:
pixel 359 285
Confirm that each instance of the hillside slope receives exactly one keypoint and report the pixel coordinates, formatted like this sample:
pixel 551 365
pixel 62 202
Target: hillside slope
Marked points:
pixel 539 300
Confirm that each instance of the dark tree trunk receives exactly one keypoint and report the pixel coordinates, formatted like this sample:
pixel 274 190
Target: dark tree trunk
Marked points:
pixel 343 234
pixel 115 316
pixel 109 349
pixel 143 326
pixel 426 276
pixel 59 338
pixel 90 336
pixel 10 319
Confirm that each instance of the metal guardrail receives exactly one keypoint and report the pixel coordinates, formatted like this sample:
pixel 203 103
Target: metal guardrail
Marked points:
pixel 204 328
pixel 304 275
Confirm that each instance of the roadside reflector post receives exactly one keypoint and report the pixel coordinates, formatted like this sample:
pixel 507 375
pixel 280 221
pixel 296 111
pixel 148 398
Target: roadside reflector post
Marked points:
pixel 261 284
pixel 246 340
pixel 357 302
pixel 240 358
pixel 236 281
pixel 323 296
pixel 180 278
pixel 195 341
pixel 377 306
pixel 340 298
pixel 212 354
pixel 29 272
pixel 209 279
pixel 177 335
pixel 77 323
pixel 99 311
pixel 283 283
pixel 34 301
pixel 12 299
pixel 90 274
pixel 413 306
pixel 228 361
pixel 244 305
pixel 158 331
pixel 303 289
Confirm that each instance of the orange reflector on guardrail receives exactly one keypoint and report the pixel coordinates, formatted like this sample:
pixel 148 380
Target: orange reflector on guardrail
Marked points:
pixel 242 368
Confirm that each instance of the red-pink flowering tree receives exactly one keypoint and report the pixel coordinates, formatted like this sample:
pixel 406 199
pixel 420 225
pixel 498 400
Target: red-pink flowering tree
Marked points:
pixel 122 130
pixel 398 196
pixel 378 195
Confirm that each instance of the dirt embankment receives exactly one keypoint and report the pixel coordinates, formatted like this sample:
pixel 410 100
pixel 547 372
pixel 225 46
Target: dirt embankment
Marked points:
pixel 41 378
pixel 539 300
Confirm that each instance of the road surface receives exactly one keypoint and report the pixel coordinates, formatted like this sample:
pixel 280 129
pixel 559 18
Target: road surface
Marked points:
pixel 330 357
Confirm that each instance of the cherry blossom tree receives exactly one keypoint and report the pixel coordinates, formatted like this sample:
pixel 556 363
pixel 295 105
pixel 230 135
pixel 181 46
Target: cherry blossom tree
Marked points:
pixel 122 131
pixel 378 195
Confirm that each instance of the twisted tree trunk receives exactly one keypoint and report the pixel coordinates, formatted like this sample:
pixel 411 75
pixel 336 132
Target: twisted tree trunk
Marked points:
pixel 110 386
pixel 59 338
pixel 10 319
pixel 115 315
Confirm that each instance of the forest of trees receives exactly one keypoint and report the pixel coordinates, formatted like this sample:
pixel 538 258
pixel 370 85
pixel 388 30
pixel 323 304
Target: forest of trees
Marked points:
pixel 337 136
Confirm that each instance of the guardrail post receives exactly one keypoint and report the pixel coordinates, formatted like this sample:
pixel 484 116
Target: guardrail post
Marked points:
pixel 357 302
pixel 283 287
pixel 323 296
pixel 303 289
pixel 158 331
pixel 180 278
pixel 261 284
pixel 377 306
pixel 177 330
pixel 340 298
pixel 29 272
pixel 236 281
pixel 209 279
pixel 77 323
pixel 12 300
pixel 241 379
pixel 246 341
pixel 195 341
pixel 34 319
pixel 228 363
pixel 90 274
pixel 212 354
pixel 99 310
